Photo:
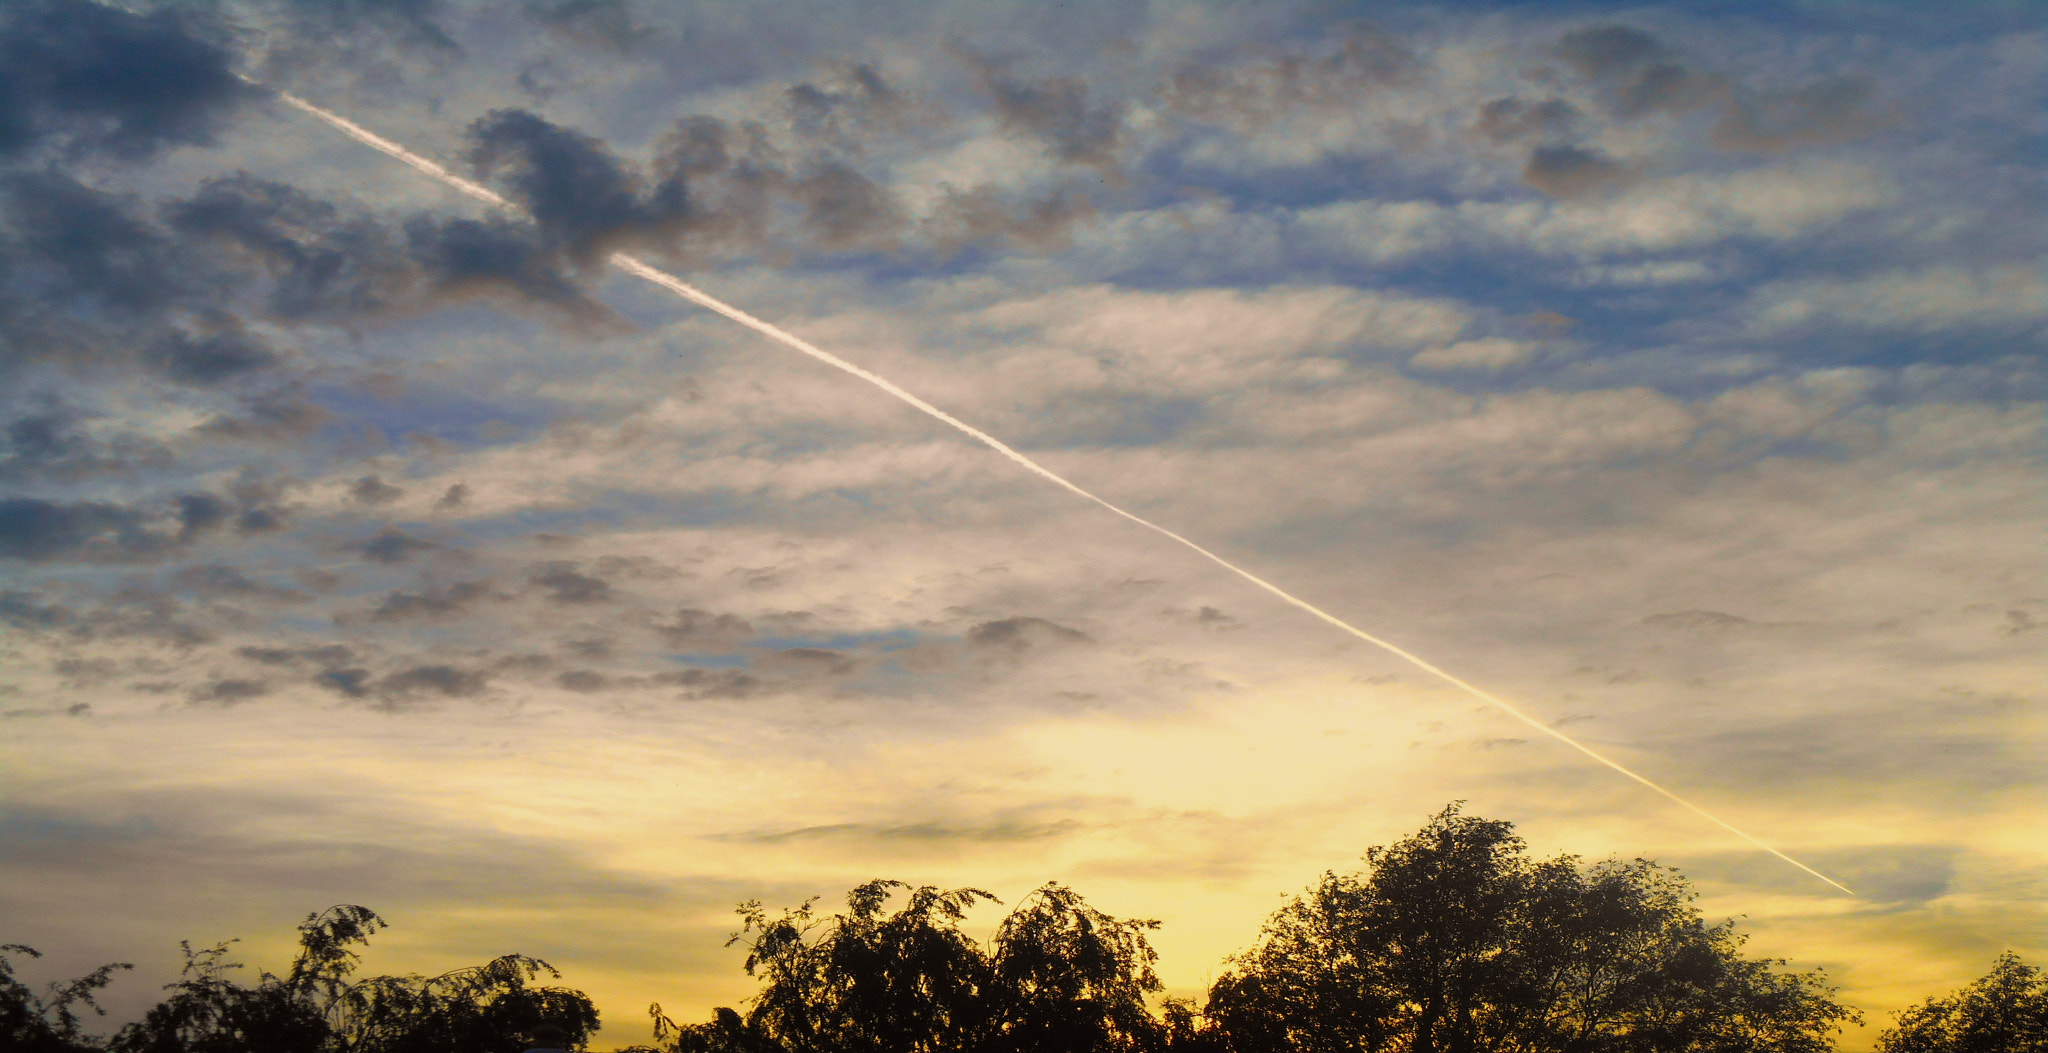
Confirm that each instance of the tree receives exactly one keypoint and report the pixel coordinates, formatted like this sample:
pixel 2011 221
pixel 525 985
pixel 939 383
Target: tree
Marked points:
pixel 2006 1011
pixel 1058 975
pixel 1454 941
pixel 47 1023
pixel 317 1008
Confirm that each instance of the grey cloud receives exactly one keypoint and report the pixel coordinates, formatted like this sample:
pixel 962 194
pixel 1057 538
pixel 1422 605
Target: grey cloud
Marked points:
pixel 864 99
pixel 999 831
pixel 1056 110
pixel 1637 71
pixel 711 683
pixel 92 77
pixel 326 655
pixel 1697 621
pixel 607 23
pixel 48 444
pixel 1833 110
pixel 695 630
pixel 394 546
pixel 1892 877
pixel 210 357
pixel 443 681
pixel 230 692
pixel 39 531
pixel 454 497
pixel 984 213
pixel 566 586
pixel 1567 171
pixel 352 681
pixel 844 209
pixel 582 198
pixel 806 663
pixel 1020 634
pixel 1364 58
pixel 370 490
pixel 464 258
pixel 217 580
pixel 431 602
pixel 1513 120
pixel 128 613
pixel 583 680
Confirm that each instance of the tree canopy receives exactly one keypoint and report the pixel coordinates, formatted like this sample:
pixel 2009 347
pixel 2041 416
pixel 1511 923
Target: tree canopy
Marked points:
pixel 2005 1011
pixel 1453 941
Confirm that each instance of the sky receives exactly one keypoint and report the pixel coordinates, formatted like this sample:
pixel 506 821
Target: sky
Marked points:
pixel 1672 371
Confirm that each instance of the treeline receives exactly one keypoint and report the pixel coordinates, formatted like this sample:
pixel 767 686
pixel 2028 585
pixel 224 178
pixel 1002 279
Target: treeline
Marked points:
pixel 1452 940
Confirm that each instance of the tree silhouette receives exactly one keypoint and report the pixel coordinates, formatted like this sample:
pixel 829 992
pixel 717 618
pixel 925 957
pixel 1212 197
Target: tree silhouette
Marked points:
pixel 47 1023
pixel 2005 1011
pixel 316 1008
pixel 1059 975
pixel 1453 941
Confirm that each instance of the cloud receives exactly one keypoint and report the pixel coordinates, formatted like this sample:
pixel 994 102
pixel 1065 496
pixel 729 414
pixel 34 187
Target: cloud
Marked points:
pixel 1056 111
pixel 431 603
pixel 394 546
pixel 703 632
pixel 566 586
pixel 1348 64
pixel 1830 110
pixel 1022 633
pixel 1512 120
pixel 1568 171
pixel 582 198
pixel 1639 73
pixel 431 681
pixel 84 77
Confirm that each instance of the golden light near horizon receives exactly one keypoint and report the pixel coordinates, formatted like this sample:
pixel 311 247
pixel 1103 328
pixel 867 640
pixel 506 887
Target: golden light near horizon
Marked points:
pixel 362 544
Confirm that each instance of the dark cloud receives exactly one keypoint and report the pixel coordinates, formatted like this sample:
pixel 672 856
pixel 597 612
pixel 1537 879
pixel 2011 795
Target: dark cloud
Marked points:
pixel 1827 111
pixel 1513 120
pixel 1347 63
pixel 89 77
pixel 566 586
pixel 1567 171
pixel 863 100
pixel 358 24
pixel 806 663
pixel 1020 634
pixel 584 681
pixel 431 681
pixel 394 546
pixel 584 200
pixel 454 497
pixel 432 602
pixel 1697 621
pixel 999 831
pixel 464 258
pixel 711 683
pixel 230 692
pixel 217 580
pixel 606 23
pixel 702 631
pixel 843 209
pixel 39 531
pixel 130 613
pixel 1056 110
pixel 351 681
pixel 985 213
pixel 370 490
pixel 1637 72
pixel 49 444
pixel 327 655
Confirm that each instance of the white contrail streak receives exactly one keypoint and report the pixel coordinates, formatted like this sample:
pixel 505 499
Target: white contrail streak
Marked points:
pixel 639 269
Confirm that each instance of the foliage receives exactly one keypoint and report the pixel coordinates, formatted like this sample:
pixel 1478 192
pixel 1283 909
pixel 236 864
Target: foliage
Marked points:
pixel 1454 941
pixel 1057 975
pixel 47 1023
pixel 2006 1011
pixel 316 1008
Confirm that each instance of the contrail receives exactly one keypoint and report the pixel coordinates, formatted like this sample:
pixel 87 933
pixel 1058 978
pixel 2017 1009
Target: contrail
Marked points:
pixel 640 269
